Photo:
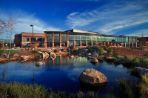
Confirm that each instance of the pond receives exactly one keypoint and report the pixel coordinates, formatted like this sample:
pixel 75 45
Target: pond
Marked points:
pixel 62 74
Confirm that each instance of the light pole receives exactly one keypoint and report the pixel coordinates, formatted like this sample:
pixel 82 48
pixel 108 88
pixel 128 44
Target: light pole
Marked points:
pixel 32 34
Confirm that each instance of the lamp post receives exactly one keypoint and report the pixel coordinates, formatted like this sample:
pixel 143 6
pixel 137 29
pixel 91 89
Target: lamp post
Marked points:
pixel 32 34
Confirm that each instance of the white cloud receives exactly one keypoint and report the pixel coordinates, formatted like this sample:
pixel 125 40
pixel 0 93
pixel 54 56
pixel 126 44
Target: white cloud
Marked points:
pixel 22 22
pixel 110 17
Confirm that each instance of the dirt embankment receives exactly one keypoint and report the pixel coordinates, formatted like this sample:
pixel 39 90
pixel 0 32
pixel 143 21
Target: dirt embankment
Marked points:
pixel 130 52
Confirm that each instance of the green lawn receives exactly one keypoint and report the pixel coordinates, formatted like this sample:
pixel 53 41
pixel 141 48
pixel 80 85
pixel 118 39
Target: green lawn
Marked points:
pixel 7 51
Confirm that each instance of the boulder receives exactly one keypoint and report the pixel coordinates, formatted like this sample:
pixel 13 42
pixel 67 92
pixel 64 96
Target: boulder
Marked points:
pixel 45 55
pixel 140 71
pixel 26 57
pixel 3 60
pixel 52 55
pixel 110 59
pixel 16 55
pixel 95 55
pixel 5 55
pixel 40 63
pixel 93 77
pixel 94 60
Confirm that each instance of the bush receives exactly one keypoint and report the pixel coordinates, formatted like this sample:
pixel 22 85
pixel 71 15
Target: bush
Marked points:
pixel 136 61
pixel 144 79
pixel 100 50
pixel 110 51
pixel 143 85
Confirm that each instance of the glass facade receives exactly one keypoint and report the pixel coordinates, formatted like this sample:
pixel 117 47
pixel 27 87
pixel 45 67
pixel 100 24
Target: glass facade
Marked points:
pixel 80 39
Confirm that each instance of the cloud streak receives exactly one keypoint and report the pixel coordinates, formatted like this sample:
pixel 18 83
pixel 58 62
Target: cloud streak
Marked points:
pixel 22 22
pixel 111 17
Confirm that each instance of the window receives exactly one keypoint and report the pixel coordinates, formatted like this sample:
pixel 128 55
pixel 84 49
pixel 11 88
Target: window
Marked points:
pixel 26 39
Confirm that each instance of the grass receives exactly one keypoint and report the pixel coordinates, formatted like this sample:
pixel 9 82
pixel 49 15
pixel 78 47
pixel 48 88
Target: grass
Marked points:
pixel 7 51
pixel 126 90
pixel 138 90
pixel 110 96
pixel 144 79
pixel 16 90
pixel 143 85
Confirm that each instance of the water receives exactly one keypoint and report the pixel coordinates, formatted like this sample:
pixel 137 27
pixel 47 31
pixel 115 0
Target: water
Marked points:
pixel 62 74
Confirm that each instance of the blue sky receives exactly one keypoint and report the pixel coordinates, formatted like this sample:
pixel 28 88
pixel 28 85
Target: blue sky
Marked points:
pixel 120 17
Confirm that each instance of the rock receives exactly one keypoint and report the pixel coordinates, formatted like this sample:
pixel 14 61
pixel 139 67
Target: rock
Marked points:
pixel 40 63
pixel 3 60
pixel 140 71
pixel 95 55
pixel 26 58
pixel 89 54
pixel 52 55
pixel 45 55
pixel 5 55
pixel 15 55
pixel 110 59
pixel 94 60
pixel 92 77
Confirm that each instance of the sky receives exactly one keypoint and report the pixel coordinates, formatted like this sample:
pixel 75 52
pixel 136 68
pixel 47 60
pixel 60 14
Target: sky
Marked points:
pixel 112 17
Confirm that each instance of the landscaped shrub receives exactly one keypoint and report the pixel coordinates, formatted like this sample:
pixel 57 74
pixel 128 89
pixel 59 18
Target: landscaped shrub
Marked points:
pixel 143 85
pixel 110 51
pixel 136 61
pixel 100 50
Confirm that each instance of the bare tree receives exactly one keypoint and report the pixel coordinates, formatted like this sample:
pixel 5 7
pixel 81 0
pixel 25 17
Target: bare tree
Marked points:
pixel 7 26
pixel 10 27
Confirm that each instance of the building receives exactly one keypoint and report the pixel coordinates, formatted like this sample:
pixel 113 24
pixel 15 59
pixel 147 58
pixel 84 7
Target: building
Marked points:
pixel 30 40
pixel 73 38
pixel 143 40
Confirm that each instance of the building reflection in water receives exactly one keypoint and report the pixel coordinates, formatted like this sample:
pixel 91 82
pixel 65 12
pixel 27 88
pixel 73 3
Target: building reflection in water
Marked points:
pixel 66 60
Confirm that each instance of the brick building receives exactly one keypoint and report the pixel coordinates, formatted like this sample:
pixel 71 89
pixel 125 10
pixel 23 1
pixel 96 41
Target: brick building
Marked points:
pixel 30 40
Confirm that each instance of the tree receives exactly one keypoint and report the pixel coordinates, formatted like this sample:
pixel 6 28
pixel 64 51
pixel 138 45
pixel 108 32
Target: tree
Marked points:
pixel 7 26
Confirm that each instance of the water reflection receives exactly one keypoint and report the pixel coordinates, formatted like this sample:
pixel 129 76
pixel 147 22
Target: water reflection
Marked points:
pixel 66 60
pixel 60 74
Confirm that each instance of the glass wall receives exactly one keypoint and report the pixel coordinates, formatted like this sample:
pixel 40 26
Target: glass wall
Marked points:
pixel 83 39
pixel 49 40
